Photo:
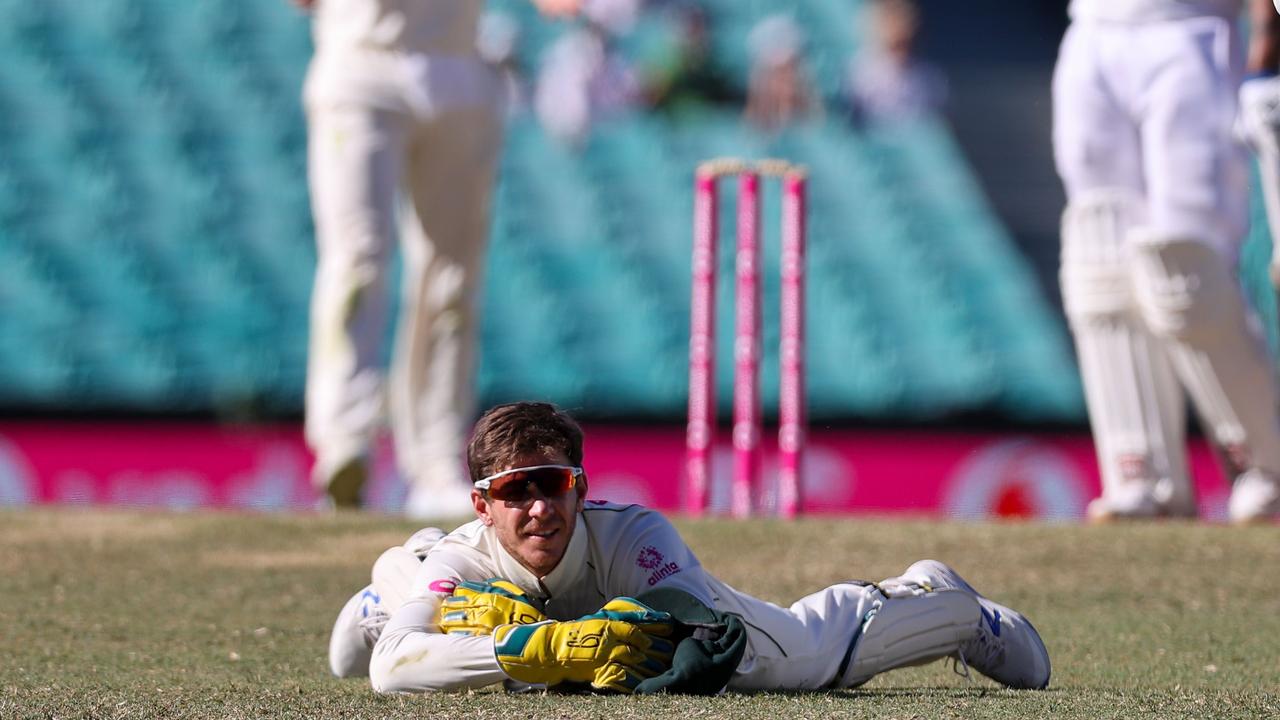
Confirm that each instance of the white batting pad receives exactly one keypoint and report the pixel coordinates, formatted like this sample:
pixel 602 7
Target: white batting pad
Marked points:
pixel 1190 298
pixel 911 628
pixel 1136 408
pixel 393 575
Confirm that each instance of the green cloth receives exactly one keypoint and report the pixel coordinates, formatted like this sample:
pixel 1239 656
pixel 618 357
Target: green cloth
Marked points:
pixel 709 652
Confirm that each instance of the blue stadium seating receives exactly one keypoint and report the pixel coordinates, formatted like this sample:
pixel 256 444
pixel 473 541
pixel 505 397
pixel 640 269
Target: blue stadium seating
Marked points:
pixel 156 241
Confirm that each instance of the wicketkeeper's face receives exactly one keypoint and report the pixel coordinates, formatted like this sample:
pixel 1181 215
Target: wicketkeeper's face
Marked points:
pixel 536 526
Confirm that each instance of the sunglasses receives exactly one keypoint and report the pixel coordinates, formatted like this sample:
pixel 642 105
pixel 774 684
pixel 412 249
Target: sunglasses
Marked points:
pixel 516 484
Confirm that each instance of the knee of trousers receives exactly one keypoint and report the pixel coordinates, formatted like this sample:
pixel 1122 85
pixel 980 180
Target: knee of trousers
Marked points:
pixel 1094 270
pixel 1183 287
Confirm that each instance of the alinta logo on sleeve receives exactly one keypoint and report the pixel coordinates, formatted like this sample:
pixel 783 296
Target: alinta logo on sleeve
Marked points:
pixel 650 558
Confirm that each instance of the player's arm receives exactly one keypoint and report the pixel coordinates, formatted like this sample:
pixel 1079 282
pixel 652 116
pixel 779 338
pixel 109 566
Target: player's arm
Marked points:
pixel 651 554
pixel 1258 121
pixel 614 650
pixel 659 570
pixel 558 8
pixel 413 655
pixel 1264 38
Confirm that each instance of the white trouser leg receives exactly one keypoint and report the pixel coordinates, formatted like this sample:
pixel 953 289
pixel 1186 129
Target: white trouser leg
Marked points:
pixel 354 168
pixel 1195 169
pixel 450 173
pixel 844 635
pixel 1136 408
pixel 1190 299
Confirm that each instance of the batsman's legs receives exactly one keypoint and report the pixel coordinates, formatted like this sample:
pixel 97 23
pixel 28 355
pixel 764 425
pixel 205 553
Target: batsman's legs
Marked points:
pixel 1136 409
pixel 1184 274
pixel 1192 301
pixel 354 166
pixel 444 235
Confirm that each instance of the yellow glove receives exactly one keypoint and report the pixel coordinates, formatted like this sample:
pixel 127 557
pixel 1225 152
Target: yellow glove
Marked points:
pixel 476 608
pixel 607 654
pixel 630 610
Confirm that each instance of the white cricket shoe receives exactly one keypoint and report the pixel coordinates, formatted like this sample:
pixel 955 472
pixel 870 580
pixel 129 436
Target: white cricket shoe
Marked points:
pixel 1139 500
pixel 355 632
pixel 1255 497
pixel 344 485
pixel 1005 647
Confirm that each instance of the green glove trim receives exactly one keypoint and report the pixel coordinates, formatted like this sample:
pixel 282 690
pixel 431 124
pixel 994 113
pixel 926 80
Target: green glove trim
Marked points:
pixel 710 645
pixel 515 641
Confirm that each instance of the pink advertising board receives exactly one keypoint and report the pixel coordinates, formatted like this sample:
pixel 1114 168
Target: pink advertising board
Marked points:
pixel 963 475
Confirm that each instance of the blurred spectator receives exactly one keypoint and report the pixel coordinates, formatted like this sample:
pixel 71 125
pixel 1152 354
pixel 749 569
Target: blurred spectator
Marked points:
pixel 498 43
pixel 778 92
pixel 887 83
pixel 690 79
pixel 584 78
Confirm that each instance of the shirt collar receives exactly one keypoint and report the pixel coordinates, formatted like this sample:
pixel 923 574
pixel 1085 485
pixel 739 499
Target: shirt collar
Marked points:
pixel 564 576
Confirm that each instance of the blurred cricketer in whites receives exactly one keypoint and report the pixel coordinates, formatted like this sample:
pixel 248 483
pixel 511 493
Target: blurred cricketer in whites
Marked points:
pixel 548 589
pixel 404 125
pixel 1151 100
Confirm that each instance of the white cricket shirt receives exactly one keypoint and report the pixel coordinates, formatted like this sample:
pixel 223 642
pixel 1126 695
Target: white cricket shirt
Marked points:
pixel 616 550
pixel 1137 11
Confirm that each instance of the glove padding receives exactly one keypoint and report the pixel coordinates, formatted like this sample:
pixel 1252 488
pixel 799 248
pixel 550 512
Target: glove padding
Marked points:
pixel 477 608
pixel 709 646
pixel 1258 122
pixel 609 650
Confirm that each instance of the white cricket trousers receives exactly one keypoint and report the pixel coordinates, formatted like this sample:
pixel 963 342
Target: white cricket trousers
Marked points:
pixel 428 164
pixel 1149 108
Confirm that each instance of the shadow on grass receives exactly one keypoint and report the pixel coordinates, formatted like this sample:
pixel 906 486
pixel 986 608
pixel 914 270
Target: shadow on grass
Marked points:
pixel 897 693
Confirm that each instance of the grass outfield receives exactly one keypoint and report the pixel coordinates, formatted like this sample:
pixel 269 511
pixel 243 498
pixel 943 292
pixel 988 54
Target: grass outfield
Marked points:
pixel 136 614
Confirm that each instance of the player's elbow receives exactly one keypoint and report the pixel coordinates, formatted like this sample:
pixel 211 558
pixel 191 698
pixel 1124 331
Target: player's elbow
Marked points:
pixel 408 672
pixel 384 678
pixel 389 682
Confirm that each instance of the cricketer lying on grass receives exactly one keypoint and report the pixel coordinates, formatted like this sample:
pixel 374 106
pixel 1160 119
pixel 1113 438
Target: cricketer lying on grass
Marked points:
pixel 445 612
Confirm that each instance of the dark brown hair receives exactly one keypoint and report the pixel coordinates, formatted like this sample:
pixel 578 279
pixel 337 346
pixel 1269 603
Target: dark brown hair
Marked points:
pixel 507 431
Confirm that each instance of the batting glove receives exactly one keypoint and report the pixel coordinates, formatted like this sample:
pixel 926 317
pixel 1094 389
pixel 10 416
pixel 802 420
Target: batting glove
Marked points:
pixel 1258 122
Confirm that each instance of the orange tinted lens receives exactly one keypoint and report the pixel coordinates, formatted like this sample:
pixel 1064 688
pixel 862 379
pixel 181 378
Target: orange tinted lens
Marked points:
pixel 518 486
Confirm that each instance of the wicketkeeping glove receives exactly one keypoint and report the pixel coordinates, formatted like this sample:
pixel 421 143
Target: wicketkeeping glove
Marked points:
pixel 595 650
pixel 630 610
pixel 476 608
